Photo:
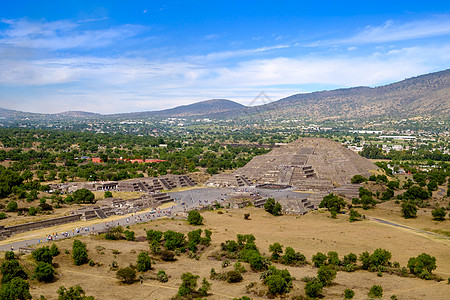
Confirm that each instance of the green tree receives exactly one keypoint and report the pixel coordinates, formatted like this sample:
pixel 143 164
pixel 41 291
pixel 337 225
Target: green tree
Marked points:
pixel 438 214
pixel 79 253
pixel 17 288
pixel 422 265
pixel 44 272
pixel 333 202
pixel 144 263
pixel 194 218
pixel 272 207
pixel 83 196
pixel 188 285
pixel 126 275
pixel 108 194
pixel 204 288
pixel 276 250
pixel 409 210
pixel 73 293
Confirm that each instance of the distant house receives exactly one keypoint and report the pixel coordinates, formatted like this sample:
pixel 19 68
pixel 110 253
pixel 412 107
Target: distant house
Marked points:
pixel 137 160
pixel 96 160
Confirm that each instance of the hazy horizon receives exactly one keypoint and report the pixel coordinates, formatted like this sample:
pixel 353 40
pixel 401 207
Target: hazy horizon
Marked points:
pixel 115 58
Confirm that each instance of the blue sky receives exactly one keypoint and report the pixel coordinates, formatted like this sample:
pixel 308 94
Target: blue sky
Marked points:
pixel 124 56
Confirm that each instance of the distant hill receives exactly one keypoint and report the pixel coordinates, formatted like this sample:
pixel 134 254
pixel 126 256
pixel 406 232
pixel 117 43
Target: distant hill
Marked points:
pixel 203 108
pixel 426 95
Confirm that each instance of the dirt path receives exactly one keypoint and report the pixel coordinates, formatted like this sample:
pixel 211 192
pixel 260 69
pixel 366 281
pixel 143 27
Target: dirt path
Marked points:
pixel 389 223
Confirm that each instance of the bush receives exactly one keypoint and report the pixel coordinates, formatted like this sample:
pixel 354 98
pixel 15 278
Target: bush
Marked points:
pixel 349 294
pixel 79 253
pixel 354 215
pixel 194 218
pixel 108 194
pixel 319 259
pixel 167 255
pixel 126 275
pixel 17 288
pixel 376 291
pixel 234 276
pixel 409 210
pixel 422 265
pixel 326 275
pixel 2 216
pixel 129 235
pixel 44 272
pixel 12 206
pixel 73 293
pixel 32 211
pixel 246 216
pixel 42 254
pixel 54 251
pixel 276 284
pixel 114 233
pixel 144 263
pixel 313 288
pixel 11 269
pixel 438 214
pixel 162 276
pixel 188 285
pixel 358 179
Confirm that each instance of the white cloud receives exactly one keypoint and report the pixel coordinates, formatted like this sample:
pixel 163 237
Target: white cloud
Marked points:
pixel 61 35
pixel 122 84
pixel 391 31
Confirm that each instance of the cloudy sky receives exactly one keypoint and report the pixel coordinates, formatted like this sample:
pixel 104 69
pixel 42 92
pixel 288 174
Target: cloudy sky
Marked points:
pixel 124 56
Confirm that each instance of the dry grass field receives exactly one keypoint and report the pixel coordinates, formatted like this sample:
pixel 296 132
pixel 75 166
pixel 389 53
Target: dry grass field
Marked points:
pixel 308 234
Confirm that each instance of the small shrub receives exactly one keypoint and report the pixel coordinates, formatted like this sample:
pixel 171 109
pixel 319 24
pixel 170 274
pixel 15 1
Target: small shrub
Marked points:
pixel 349 294
pixel 376 291
pixel 234 276
pixel 246 216
pixel 162 276
pixel 194 218
pixel 126 275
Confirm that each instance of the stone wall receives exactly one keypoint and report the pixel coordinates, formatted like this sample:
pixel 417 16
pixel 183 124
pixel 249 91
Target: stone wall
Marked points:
pixel 8 231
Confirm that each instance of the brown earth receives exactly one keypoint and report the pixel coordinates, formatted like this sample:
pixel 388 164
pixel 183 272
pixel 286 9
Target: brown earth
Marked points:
pixel 308 234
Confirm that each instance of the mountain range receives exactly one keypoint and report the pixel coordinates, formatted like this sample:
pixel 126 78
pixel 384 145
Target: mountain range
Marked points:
pixel 426 96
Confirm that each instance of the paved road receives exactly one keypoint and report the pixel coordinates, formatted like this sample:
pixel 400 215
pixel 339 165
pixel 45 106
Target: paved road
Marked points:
pixel 406 227
pixel 184 200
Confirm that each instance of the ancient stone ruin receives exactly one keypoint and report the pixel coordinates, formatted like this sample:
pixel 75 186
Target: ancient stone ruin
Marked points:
pixel 308 164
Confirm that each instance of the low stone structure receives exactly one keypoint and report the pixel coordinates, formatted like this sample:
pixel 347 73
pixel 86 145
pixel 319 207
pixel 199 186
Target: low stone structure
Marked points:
pixel 10 230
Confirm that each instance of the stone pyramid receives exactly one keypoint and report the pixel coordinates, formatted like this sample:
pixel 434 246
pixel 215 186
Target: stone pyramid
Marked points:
pixel 310 164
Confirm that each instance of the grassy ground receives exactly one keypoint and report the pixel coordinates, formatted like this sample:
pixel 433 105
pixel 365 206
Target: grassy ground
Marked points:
pixel 308 234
